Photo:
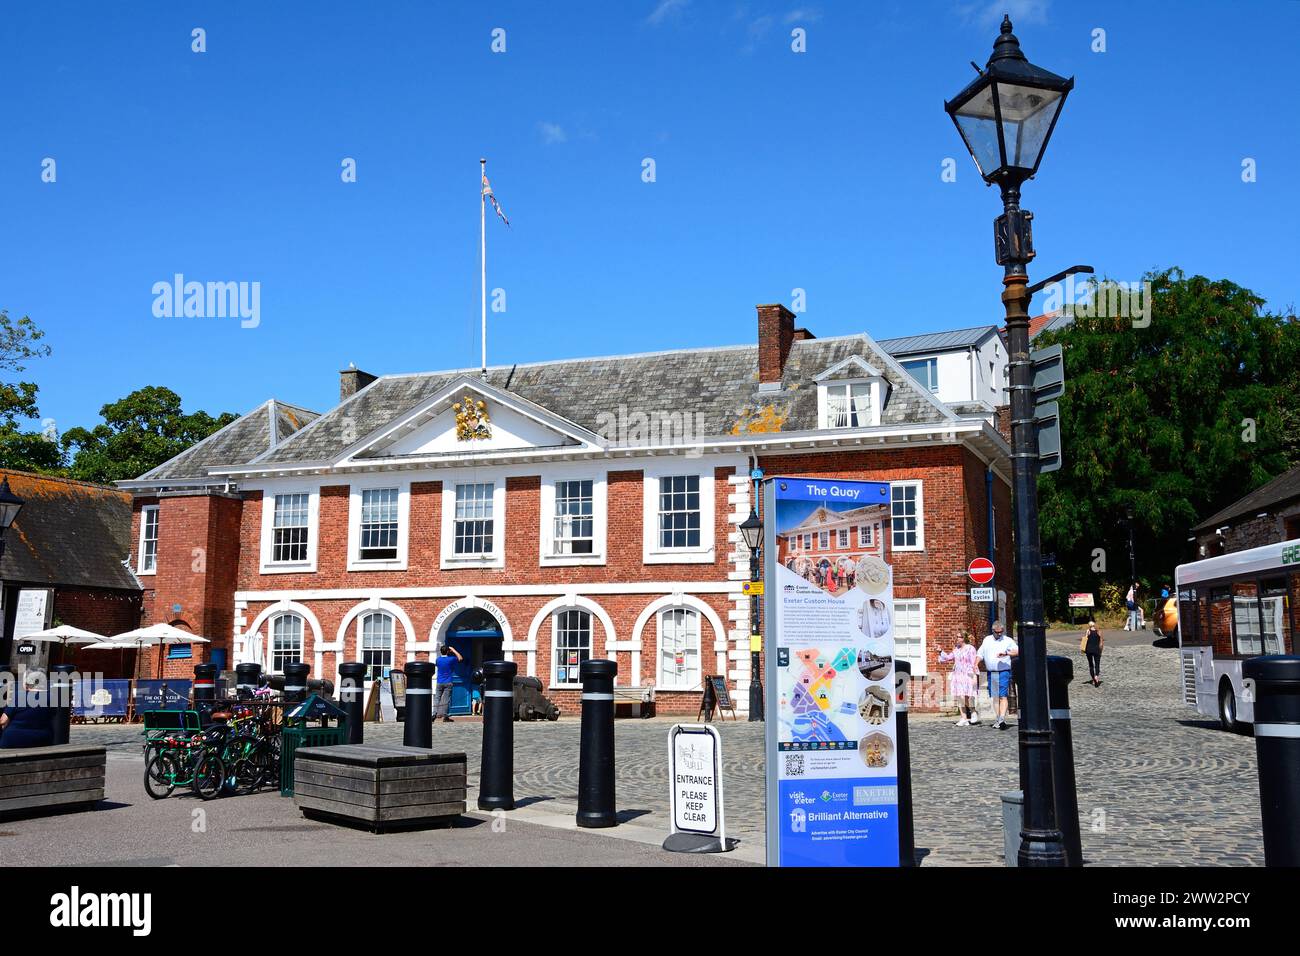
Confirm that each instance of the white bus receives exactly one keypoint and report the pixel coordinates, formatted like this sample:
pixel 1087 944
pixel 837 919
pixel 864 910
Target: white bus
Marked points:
pixel 1232 607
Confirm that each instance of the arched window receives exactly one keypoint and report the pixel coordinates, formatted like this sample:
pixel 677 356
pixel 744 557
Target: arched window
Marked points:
pixel 286 641
pixel 376 643
pixel 679 649
pixel 572 643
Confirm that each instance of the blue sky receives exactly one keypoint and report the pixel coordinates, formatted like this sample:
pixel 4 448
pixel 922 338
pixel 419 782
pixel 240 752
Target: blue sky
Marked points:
pixel 774 171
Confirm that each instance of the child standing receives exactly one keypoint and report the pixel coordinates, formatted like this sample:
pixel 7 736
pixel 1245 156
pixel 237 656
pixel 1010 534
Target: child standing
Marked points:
pixel 962 681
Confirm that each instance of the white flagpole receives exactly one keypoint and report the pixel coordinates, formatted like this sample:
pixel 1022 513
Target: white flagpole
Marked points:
pixel 482 238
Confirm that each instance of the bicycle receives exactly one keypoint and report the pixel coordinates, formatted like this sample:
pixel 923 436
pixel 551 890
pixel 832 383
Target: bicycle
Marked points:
pixel 186 761
pixel 252 752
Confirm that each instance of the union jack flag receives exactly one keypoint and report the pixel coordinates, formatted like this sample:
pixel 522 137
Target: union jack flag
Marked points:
pixel 488 194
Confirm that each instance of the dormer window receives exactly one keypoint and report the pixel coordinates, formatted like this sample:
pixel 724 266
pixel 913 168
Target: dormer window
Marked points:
pixel 925 371
pixel 849 395
pixel 848 405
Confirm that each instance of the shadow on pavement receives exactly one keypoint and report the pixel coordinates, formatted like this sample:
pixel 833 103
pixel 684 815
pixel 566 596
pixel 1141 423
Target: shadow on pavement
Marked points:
pixel 626 816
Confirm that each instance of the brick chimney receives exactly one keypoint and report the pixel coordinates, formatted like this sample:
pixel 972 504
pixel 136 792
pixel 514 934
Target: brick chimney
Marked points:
pixel 776 333
pixel 353 380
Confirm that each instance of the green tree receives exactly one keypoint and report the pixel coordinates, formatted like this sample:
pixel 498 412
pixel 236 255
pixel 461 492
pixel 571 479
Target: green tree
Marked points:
pixel 1174 420
pixel 140 432
pixel 20 341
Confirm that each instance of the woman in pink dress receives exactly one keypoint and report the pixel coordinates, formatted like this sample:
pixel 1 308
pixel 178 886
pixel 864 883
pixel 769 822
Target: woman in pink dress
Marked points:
pixel 963 680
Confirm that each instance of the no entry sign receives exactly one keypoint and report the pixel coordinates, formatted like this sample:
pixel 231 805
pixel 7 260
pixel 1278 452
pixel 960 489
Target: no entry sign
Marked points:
pixel 980 570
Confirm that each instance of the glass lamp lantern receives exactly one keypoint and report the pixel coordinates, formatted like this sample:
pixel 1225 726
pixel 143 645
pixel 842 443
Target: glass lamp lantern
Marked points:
pixel 751 530
pixel 1007 114
pixel 10 505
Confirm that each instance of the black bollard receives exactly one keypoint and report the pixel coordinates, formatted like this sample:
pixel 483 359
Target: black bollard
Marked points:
pixel 61 701
pixel 496 787
pixel 205 691
pixel 352 697
pixel 906 829
pixel 1060 671
pixel 247 677
pixel 1277 749
pixel 596 748
pixel 418 728
pixel 295 682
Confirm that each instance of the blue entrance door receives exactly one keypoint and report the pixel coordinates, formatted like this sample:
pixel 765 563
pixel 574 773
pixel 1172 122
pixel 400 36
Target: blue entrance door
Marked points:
pixel 477 636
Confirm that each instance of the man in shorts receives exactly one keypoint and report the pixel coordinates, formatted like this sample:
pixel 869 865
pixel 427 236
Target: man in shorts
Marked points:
pixel 996 652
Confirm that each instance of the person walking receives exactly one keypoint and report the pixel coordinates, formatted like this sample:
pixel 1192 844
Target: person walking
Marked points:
pixel 1130 602
pixel 963 681
pixel 1091 644
pixel 995 655
pixel 445 667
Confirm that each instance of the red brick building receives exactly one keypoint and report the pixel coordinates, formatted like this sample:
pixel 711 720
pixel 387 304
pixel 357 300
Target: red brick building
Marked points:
pixel 551 512
pixel 65 561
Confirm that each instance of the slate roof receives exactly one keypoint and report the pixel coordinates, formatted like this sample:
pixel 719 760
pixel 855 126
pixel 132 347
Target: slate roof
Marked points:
pixel 938 341
pixel 68 533
pixel 719 385
pixel 239 442
pixel 1284 488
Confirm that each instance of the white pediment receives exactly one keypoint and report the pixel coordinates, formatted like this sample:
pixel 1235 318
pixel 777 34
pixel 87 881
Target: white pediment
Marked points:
pixel 508 428
pixel 853 367
pixel 513 424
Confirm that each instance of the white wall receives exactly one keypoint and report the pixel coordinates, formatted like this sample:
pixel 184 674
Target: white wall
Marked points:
pixel 959 383
pixel 991 388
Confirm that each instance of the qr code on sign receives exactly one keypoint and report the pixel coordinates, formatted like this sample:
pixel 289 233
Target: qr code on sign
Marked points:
pixel 794 765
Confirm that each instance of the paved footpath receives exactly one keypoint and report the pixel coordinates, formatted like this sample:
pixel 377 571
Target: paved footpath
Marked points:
pixel 1157 785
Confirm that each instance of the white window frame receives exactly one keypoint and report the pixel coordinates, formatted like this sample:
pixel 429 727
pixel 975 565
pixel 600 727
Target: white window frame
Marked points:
pixel 668 682
pixel 867 540
pixel 268 529
pixel 807 541
pixel 270 638
pixel 392 641
pixel 496 558
pixel 140 551
pixel 823 540
pixel 555 648
pixel 919 668
pixel 599 515
pixel 652 552
pixel 355 497
pixel 920 515
pixel 824 401
pixel 933 361
pixel 841 538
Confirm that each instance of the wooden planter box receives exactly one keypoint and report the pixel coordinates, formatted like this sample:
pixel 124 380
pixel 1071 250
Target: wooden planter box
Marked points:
pixel 40 780
pixel 379 787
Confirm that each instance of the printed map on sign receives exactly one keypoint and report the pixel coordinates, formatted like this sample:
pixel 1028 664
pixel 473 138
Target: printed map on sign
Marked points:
pixel 818 693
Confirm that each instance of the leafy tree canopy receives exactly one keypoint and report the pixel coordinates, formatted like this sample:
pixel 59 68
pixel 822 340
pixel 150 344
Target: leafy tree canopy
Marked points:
pixel 140 432
pixel 1175 420
pixel 20 341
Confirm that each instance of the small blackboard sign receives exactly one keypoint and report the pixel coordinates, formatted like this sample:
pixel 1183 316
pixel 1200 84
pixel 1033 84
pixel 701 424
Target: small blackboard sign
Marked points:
pixel 720 691
pixel 716 696
pixel 25 648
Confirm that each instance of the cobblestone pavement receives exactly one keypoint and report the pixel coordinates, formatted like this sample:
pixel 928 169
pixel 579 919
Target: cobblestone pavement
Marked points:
pixel 1157 784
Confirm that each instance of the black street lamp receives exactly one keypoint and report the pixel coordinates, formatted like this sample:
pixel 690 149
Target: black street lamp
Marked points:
pixel 1005 117
pixel 10 505
pixel 751 531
